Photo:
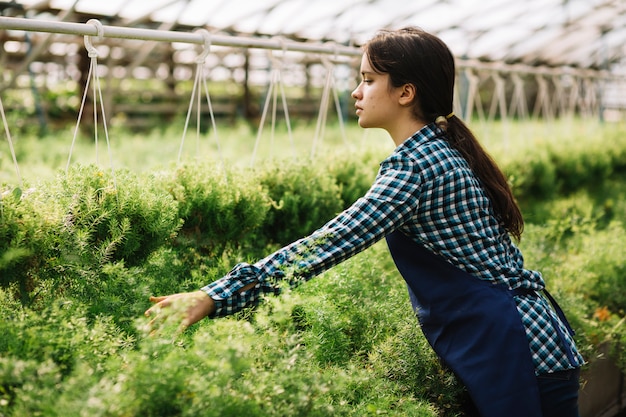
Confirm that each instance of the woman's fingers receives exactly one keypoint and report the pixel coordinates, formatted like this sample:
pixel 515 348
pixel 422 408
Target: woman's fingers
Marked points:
pixel 154 299
pixel 159 302
pixel 189 307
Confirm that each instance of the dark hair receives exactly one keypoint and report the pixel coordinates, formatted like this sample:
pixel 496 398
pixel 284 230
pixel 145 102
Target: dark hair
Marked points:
pixel 413 56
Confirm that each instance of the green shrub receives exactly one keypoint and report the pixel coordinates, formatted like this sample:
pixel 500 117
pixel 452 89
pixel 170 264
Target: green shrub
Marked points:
pixel 303 197
pixel 27 386
pixel 218 212
pixel 407 359
pixel 341 320
pixel 582 265
pixel 70 227
pixel 562 167
pixel 358 317
pixel 21 243
pixel 60 333
pixel 87 247
pixel 583 164
pixel 532 175
pixel 604 253
pixel 355 175
pixel 40 350
pixel 109 216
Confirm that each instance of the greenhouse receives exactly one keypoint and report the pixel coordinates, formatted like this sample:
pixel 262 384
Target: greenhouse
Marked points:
pixel 148 147
pixel 536 58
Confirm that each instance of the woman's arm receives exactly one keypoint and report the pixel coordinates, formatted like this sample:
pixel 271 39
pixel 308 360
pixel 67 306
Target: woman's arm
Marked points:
pixel 390 202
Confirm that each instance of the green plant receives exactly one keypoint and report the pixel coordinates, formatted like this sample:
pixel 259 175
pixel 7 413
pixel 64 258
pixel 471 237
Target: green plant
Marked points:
pixel 354 176
pixel 111 216
pixel 303 197
pixel 21 242
pixel 40 350
pixel 86 249
pixel 219 209
pixel 73 225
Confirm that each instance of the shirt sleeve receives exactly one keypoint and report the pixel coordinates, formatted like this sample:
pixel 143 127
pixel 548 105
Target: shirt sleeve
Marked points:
pixel 388 204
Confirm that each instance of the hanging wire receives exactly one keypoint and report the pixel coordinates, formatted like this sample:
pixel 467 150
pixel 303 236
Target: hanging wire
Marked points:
pixel 329 87
pixel 199 77
pixel 10 140
pixel 80 114
pixel 97 95
pixel 272 94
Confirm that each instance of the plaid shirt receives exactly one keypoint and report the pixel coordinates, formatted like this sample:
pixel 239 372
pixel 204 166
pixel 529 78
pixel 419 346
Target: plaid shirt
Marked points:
pixel 426 189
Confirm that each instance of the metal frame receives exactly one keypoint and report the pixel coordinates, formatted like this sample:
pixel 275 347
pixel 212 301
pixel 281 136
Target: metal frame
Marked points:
pixel 87 29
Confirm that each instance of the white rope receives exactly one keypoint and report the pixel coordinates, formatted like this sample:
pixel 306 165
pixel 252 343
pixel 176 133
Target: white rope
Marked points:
pixel 270 89
pixel 191 101
pixel 321 116
pixel 213 124
pixel 272 94
pixel 518 100
pixel 10 140
pixel 287 119
pixel 542 102
pixel 342 129
pixel 80 115
pixel 97 96
pixel 200 76
pixel 329 86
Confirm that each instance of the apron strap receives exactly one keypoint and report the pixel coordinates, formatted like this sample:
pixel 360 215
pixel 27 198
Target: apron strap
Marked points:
pixel 559 312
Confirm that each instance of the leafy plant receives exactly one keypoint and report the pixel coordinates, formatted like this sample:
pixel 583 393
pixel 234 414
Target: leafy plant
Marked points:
pixel 303 198
pixel 218 208
pixel 110 216
pixel 21 242
pixel 79 254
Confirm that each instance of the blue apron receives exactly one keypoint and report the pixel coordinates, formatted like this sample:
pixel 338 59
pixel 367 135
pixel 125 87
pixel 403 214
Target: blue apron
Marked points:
pixel 474 327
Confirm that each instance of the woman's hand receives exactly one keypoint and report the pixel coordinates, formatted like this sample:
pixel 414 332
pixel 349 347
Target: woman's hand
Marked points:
pixel 190 307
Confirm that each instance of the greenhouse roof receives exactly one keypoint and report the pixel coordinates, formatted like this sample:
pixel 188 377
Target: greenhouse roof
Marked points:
pixel 580 33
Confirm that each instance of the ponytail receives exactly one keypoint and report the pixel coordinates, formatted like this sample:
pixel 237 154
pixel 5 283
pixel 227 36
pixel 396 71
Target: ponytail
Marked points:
pixel 492 178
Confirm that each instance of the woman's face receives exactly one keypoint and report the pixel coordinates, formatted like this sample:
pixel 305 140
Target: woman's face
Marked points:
pixel 376 103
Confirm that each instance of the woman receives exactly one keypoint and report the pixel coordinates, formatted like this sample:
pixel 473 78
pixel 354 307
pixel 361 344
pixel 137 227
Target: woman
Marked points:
pixel 447 213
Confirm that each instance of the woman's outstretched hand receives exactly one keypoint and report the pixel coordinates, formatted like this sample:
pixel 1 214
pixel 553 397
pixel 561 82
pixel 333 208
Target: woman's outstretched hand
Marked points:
pixel 189 307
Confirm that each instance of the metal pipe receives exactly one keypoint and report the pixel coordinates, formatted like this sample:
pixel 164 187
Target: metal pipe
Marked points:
pixel 275 43
pixel 85 29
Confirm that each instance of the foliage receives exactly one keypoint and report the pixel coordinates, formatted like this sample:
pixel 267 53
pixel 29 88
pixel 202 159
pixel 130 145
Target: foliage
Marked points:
pixel 20 242
pixel 561 167
pixel 354 175
pixel 71 227
pixel 218 208
pixel 582 262
pixel 228 367
pixel 80 252
pixel 361 314
pixel 39 349
pixel 303 197
pixel 110 216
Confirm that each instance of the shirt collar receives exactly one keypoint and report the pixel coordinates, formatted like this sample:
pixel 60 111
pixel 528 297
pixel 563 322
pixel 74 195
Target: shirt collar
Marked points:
pixel 426 133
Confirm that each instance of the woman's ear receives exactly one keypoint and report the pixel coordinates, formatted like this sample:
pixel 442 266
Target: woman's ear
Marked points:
pixel 407 94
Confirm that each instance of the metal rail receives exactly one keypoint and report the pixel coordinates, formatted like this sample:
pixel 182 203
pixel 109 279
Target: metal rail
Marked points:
pixel 87 29
pixel 274 43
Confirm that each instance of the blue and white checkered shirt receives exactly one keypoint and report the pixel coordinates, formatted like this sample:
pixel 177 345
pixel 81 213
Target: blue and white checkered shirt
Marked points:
pixel 426 189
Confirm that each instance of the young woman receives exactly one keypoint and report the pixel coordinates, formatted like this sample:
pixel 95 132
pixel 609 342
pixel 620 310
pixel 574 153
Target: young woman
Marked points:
pixel 448 216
